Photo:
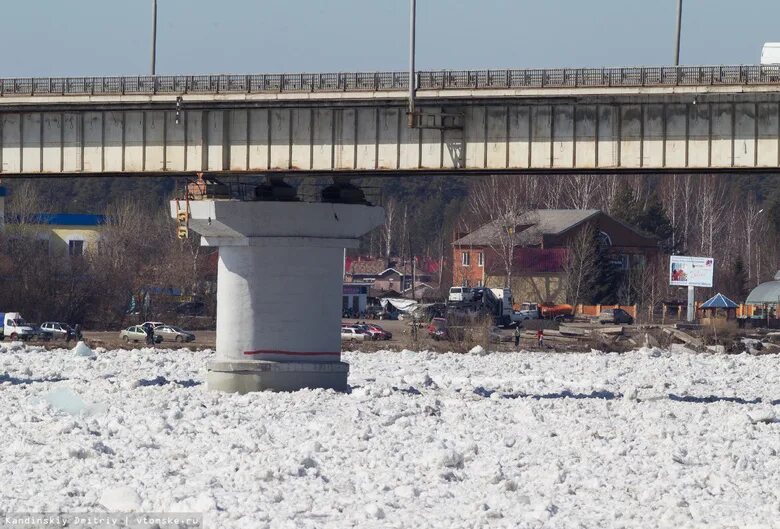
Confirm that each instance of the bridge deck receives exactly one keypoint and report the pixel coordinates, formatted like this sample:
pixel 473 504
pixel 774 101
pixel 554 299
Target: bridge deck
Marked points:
pixel 708 118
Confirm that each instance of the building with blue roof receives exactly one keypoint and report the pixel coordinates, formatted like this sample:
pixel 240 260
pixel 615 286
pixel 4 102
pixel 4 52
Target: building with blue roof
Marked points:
pixel 71 234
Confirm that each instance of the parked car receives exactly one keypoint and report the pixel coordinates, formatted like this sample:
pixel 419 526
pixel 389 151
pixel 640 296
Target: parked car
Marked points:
pixel 352 334
pixel 617 316
pixel 136 333
pixel 528 311
pixel 170 333
pixel 57 330
pixel 14 327
pixel 371 332
pixel 38 333
pixel 461 294
pixel 382 333
pixel 437 329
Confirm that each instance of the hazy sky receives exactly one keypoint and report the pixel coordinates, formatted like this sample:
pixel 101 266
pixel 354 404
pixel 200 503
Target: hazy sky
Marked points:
pixel 106 37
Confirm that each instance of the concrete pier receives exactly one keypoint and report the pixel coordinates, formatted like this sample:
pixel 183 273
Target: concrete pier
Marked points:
pixel 278 289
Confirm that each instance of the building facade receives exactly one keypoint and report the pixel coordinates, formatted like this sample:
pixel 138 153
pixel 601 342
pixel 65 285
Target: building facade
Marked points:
pixel 384 276
pixel 530 256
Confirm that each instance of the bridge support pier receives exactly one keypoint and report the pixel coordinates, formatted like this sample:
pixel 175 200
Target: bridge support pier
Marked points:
pixel 279 290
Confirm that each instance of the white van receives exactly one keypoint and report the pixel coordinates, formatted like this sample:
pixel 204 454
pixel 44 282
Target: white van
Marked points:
pixel 461 294
pixel 15 328
pixel 770 53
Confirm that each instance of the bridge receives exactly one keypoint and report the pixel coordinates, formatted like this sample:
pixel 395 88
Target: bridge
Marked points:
pixel 669 119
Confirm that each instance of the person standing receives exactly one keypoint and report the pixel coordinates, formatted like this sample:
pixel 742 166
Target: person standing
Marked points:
pixel 540 337
pixel 517 335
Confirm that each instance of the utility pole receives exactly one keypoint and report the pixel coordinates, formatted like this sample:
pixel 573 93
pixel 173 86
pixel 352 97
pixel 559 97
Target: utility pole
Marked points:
pixel 154 37
pixel 677 41
pixel 412 29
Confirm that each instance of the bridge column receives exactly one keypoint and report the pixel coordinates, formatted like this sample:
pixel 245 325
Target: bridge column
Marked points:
pixel 279 290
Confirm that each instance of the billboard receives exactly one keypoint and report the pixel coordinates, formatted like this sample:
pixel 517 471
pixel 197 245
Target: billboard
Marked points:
pixel 685 271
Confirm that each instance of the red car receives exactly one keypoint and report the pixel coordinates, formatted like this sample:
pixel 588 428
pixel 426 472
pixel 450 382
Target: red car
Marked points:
pixel 437 329
pixel 382 334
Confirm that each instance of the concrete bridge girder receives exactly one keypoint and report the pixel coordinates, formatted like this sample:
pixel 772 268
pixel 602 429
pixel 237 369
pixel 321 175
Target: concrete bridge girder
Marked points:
pixel 654 129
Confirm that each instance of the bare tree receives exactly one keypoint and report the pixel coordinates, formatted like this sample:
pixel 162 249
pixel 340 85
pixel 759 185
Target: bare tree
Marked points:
pixel 581 191
pixel 580 269
pixel 750 215
pixel 710 203
pixel 391 207
pixel 500 201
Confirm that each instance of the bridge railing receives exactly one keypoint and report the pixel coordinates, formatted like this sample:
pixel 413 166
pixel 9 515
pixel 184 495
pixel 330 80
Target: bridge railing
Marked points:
pixel 393 81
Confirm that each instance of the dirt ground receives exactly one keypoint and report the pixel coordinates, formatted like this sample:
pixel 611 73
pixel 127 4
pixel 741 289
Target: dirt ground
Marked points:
pixel 111 340
pixel 402 339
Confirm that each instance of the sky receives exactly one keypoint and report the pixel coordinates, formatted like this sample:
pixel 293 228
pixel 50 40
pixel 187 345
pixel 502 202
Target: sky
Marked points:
pixel 112 37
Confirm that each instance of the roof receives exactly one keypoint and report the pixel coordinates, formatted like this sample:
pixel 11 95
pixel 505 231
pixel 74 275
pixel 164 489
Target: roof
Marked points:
pixel 372 267
pixel 379 268
pixel 63 219
pixel 765 294
pixel 718 301
pixel 535 224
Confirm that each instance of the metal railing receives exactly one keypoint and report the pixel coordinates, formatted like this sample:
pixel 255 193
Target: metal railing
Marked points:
pixel 392 81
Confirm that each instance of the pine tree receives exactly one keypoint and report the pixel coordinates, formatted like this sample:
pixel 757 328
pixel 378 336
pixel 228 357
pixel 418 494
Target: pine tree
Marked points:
pixel 607 275
pixel 624 206
pixel 739 279
pixel 653 219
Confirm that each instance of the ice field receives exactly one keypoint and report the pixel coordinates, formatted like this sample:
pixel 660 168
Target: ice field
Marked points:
pixel 644 439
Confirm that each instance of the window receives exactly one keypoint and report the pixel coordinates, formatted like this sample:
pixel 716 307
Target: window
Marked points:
pixel 481 259
pixel 465 258
pixel 75 248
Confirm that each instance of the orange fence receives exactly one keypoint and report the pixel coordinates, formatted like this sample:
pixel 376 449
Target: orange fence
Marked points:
pixel 743 311
pixel 595 310
pixel 747 311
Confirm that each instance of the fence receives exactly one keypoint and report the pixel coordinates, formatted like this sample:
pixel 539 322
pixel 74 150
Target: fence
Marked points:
pixel 394 81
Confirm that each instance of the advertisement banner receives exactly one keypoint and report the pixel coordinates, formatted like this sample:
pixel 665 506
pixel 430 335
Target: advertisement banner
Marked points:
pixel 685 271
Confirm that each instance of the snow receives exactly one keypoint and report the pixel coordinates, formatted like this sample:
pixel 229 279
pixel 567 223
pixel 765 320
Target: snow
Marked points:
pixel 477 350
pixel 120 499
pixel 644 439
pixel 83 349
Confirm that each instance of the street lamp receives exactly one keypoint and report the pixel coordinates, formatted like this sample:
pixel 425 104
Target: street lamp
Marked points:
pixel 677 41
pixel 412 31
pixel 154 37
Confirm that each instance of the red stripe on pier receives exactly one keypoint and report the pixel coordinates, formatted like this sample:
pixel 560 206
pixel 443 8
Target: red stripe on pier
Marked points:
pixel 289 353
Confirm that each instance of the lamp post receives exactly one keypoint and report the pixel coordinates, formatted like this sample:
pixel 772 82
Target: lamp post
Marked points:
pixel 412 30
pixel 677 40
pixel 154 37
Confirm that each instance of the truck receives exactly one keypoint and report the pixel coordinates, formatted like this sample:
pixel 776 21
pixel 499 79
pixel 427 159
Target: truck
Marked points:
pixel 544 311
pixel 14 327
pixel 473 302
pixel 505 304
pixel 770 53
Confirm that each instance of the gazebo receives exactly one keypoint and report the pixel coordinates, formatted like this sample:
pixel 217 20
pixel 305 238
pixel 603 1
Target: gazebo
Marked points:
pixel 717 303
